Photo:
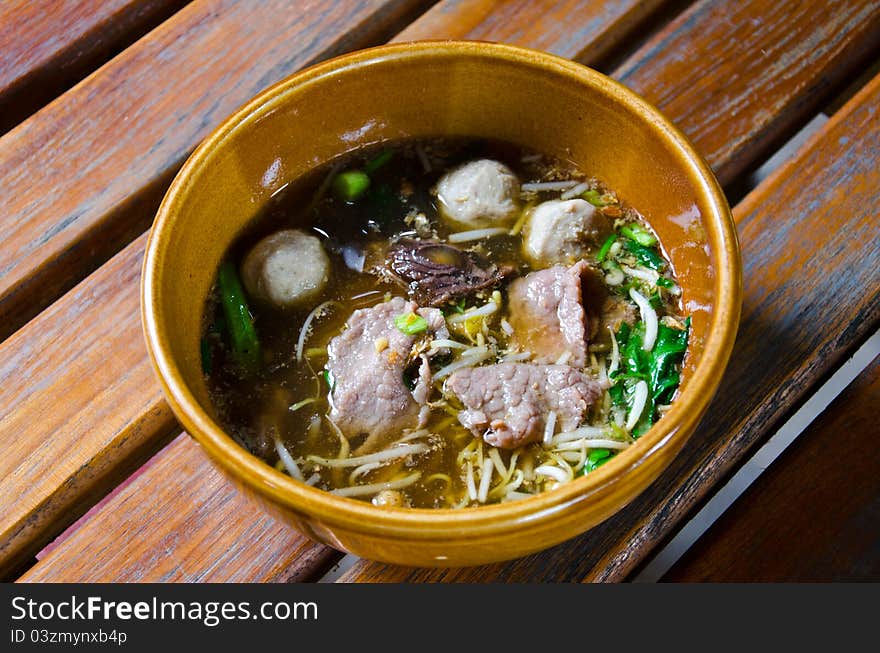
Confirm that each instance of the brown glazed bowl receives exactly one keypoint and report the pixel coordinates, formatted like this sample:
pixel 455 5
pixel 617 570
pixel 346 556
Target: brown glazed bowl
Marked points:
pixel 427 89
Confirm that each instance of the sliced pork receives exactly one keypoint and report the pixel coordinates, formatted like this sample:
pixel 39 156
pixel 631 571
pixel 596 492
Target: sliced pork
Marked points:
pixel 366 365
pixel 547 314
pixel 508 404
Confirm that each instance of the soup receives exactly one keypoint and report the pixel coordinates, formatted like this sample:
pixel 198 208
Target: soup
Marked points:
pixel 442 323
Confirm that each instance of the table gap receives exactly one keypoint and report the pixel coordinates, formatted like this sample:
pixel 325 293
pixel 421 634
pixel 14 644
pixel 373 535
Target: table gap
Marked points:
pixel 74 63
pixel 650 27
pixel 679 542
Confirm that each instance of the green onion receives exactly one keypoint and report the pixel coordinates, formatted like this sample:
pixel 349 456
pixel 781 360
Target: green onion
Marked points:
pixel 639 234
pixel 410 323
pixel 350 185
pixel 606 246
pixel 245 345
pixel 647 256
pixel 663 282
pixel 329 380
pixel 596 458
pixel 380 160
pixel 595 198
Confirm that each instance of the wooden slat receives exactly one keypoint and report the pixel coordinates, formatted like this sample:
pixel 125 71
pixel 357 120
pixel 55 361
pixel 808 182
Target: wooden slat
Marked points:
pixel 753 103
pixel 814 514
pixel 738 77
pixel 79 398
pixel 584 30
pixel 809 299
pixel 79 405
pixel 121 403
pixel 220 536
pixel 84 178
pixel 48 45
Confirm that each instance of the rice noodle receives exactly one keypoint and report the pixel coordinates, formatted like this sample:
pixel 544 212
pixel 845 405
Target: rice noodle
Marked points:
pixel 563 358
pixel 580 433
pixel 549 428
pixel 289 463
pixel 374 488
pixel 506 327
pixel 615 354
pixel 485 480
pixel 313 479
pixel 380 456
pixel 303 332
pixel 649 317
pixel 464 361
pixel 553 472
pixel 597 443
pixel 640 398
pixel 575 191
pixel 476 234
pixel 532 187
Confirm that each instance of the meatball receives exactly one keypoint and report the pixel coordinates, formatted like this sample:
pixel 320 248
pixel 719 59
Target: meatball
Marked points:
pixel 562 231
pixel 390 498
pixel 482 193
pixel 288 268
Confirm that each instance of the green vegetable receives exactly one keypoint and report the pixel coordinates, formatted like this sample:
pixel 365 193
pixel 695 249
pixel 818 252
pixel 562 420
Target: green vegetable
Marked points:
pixel 606 246
pixel 350 185
pixel 596 458
pixel 647 256
pixel 658 368
pixel 380 160
pixel 245 345
pixel 410 323
pixel 595 198
pixel 636 232
pixel 329 380
pixel 663 282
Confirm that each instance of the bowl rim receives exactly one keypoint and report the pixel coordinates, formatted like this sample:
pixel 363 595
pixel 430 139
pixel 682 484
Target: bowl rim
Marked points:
pixel 439 523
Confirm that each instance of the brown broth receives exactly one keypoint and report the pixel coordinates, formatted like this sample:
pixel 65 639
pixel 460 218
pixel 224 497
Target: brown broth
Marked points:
pixel 254 406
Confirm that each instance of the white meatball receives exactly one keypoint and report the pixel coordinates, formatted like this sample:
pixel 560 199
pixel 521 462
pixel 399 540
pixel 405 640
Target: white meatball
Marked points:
pixel 482 193
pixel 390 498
pixel 288 268
pixel 562 231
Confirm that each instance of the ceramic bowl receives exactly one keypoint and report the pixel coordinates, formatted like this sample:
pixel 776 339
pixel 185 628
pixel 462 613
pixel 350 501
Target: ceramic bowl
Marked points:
pixel 432 89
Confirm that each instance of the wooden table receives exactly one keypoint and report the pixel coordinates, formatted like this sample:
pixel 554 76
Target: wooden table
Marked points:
pixel 101 102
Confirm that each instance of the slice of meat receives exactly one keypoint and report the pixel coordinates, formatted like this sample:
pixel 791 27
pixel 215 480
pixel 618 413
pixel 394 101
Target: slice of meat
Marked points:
pixel 547 314
pixel 508 404
pixel 366 363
